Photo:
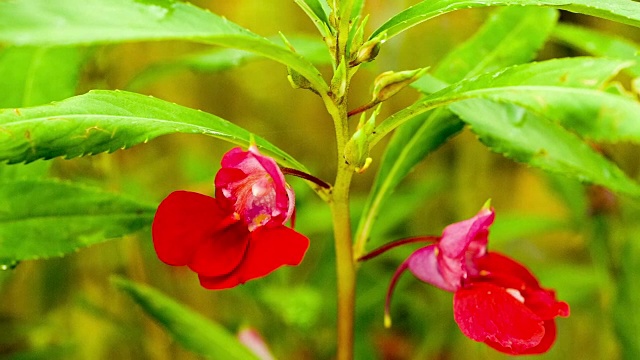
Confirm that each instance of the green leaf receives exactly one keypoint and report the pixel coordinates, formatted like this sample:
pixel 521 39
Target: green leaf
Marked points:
pixel 33 76
pixel 623 11
pixel 317 12
pixel 626 321
pixel 524 136
pixel 85 22
pixel 191 330
pixel 600 44
pixel 540 143
pixel 526 80
pixel 510 36
pixel 313 49
pixel 107 121
pixel 45 218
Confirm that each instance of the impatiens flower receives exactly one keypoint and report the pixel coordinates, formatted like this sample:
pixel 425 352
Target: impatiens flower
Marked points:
pixel 496 300
pixel 240 234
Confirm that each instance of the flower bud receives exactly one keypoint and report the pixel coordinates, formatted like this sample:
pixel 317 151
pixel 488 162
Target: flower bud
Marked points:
pixel 390 83
pixel 356 152
pixel 369 50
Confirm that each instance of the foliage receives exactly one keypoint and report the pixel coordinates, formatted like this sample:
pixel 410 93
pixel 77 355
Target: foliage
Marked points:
pixel 66 187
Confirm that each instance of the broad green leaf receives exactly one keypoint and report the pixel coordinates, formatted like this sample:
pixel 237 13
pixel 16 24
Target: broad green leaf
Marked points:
pixel 525 137
pixel 188 328
pixel 104 120
pixel 510 36
pixel 85 22
pixel 45 218
pixel 600 44
pixel 593 114
pixel 526 80
pixel 623 11
pixel 313 49
pixel 33 76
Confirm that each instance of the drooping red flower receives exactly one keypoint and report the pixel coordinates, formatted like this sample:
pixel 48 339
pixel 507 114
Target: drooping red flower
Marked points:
pixel 496 300
pixel 240 234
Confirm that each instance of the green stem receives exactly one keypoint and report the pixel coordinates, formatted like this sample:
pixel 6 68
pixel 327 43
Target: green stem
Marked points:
pixel 345 267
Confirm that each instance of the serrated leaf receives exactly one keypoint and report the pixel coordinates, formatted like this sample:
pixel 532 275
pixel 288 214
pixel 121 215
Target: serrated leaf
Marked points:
pixel 104 120
pixel 312 49
pixel 510 36
pixel 540 143
pixel 190 329
pixel 558 73
pixel 522 135
pixel 45 218
pixel 599 43
pixel 623 11
pixel 85 22
pixel 33 76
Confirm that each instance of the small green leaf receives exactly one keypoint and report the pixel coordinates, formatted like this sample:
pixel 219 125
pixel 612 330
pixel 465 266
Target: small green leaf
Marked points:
pixel 107 121
pixel 623 11
pixel 191 330
pixel 45 218
pixel 86 22
pixel 599 43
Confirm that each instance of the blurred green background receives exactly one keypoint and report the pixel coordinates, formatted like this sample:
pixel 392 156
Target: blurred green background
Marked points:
pixel 580 240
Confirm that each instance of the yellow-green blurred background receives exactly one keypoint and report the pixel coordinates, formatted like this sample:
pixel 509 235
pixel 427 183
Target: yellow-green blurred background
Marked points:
pixel 66 308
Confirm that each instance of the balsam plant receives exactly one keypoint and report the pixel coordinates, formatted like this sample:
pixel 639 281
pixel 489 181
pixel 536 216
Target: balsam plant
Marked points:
pixel 553 115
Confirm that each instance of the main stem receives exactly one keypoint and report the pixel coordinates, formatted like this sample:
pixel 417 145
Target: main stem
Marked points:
pixel 341 216
pixel 345 269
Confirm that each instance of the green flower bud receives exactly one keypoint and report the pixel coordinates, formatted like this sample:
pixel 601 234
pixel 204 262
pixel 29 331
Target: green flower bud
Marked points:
pixel 356 152
pixel 390 83
pixel 369 50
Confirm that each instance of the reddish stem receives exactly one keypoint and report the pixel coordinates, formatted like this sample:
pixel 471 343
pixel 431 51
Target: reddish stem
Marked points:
pixel 386 247
pixel 304 175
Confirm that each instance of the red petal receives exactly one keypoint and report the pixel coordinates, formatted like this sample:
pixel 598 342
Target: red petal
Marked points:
pixel 507 270
pixel 488 313
pixel 222 252
pixel 184 221
pixel 269 249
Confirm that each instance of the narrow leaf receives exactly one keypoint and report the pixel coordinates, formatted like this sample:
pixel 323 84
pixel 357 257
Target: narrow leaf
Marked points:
pixel 85 22
pixel 45 218
pixel 103 120
pixel 191 330
pixel 623 11
pixel 317 13
pixel 510 36
pixel 599 43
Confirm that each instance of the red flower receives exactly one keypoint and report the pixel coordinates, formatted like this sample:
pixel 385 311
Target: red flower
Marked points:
pixel 237 236
pixel 496 300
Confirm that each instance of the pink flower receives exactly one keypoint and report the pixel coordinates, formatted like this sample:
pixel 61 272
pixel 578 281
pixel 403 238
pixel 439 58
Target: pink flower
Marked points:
pixel 240 234
pixel 496 300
